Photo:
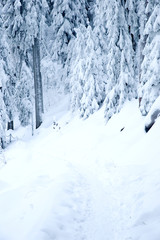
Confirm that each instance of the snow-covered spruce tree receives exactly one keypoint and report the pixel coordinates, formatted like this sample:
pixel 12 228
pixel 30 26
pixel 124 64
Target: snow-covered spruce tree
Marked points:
pixel 66 15
pixel 142 19
pixel 143 16
pixel 90 7
pixel 150 67
pixel 23 22
pixel 94 85
pixel 51 69
pixel 132 21
pixel 121 84
pixel 2 75
pixel 6 96
pixel 15 29
pixel 3 79
pixel 13 21
pixel 2 116
pixel 131 9
pixel 87 77
pixel 76 75
pixel 25 95
pixel 9 66
pixel 139 8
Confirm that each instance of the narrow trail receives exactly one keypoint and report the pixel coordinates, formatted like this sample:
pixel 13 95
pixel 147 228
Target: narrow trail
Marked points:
pixel 78 204
pixel 86 210
pixel 83 209
pixel 95 204
pixel 57 198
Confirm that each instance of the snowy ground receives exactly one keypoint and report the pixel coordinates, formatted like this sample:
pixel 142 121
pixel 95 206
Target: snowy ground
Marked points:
pixel 83 180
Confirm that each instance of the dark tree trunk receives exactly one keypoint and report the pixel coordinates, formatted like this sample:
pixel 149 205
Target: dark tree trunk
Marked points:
pixel 37 82
pixel 2 143
pixel 10 123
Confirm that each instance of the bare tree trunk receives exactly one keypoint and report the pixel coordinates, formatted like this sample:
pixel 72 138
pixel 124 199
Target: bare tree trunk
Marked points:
pixel 10 123
pixel 2 143
pixel 37 82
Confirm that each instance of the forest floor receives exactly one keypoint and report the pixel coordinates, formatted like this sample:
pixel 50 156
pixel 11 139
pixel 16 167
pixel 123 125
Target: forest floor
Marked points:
pixel 82 179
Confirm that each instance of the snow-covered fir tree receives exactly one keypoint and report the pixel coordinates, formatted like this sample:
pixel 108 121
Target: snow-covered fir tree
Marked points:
pixel 2 75
pixel 15 29
pixel 22 23
pixel 25 95
pixel 88 78
pixel 66 16
pixel 8 71
pixel 3 116
pixel 121 84
pixel 150 67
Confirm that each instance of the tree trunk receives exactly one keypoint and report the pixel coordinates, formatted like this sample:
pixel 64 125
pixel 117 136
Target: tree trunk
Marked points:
pixel 10 123
pixel 2 143
pixel 37 83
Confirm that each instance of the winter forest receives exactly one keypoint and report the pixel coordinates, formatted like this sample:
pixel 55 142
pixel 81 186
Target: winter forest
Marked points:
pixel 79 119
pixel 99 52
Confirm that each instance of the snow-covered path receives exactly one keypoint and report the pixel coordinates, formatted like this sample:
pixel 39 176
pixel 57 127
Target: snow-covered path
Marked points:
pixel 84 181
pixel 68 204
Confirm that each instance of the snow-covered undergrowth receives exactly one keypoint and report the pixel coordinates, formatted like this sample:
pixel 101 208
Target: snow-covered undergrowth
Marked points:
pixel 83 180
